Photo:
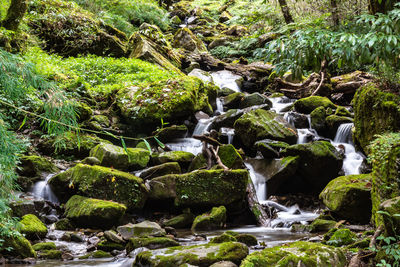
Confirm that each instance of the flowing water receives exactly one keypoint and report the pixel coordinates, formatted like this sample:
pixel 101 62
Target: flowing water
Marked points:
pixel 42 190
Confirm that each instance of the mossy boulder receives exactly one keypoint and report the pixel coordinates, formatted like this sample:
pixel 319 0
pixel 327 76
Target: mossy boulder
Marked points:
pixel 299 253
pixel 170 133
pixel 150 243
pixel 233 101
pixel 64 225
pixel 375 112
pixel 185 220
pixel 161 170
pixel 32 227
pixel 69 30
pixel 342 111
pixel 390 220
pixel 342 237
pixel 230 157
pixel 266 150
pixel 320 162
pixel 318 119
pixel 182 157
pixel 21 207
pixel 184 38
pixel 280 171
pixel 90 212
pixel 143 229
pixel 223 238
pixel 254 99
pixel 215 219
pixel 349 197
pixel 33 166
pixel 171 100
pixel 308 104
pixel 322 225
pixel 120 158
pixel 21 247
pixel 202 188
pixel 51 254
pixel 333 122
pixel 100 182
pixel 44 246
pixel 198 255
pixel 98 254
pixel 264 124
pixel 109 246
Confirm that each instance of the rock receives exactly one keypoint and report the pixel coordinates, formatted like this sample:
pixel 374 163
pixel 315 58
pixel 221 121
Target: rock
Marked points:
pixel 383 117
pixel 298 120
pixel 333 122
pixel 100 182
pixel 321 225
pixel 254 99
pixel 299 253
pixel 184 220
pixel 230 157
pixel 266 150
pixel 279 172
pixel 161 170
pixel 21 207
pixel 112 236
pixel 224 17
pixel 176 20
pixel 150 243
pixel 318 119
pixel 51 254
pixel 202 75
pixel 120 158
pixel 33 166
pixel 91 161
pixel 109 246
pixel 21 247
pixel 49 219
pixel 202 188
pixel 343 112
pixel 170 133
pixel 143 229
pixel 209 221
pixel 308 104
pixel 319 163
pixel 183 158
pixel 223 264
pixel 220 41
pixel 64 225
pixel 276 145
pixel 249 240
pixel 184 38
pixel 349 197
pixel 391 221
pixel 342 237
pixel 90 212
pixel 223 238
pixel 32 227
pixel 264 124
pixel 236 30
pixel 44 246
pixel 227 119
pixel 233 101
pixel 200 255
pixel 98 254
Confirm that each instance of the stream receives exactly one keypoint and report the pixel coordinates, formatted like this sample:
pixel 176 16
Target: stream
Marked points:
pixel 279 232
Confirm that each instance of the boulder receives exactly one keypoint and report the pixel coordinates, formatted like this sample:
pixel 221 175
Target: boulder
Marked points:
pixel 342 111
pixel 184 220
pixel 100 182
pixel 183 158
pixel 32 227
pixel 308 104
pixel 161 170
pixel 51 254
pixel 170 133
pixel 64 225
pixel 184 38
pixel 202 188
pixel 320 162
pixel 299 253
pixel 318 119
pixel 109 246
pixel 264 124
pixel 230 157
pixel 322 225
pixel 143 229
pixel 342 237
pixel 298 120
pixel 44 246
pixel 254 99
pixel 120 158
pixel 233 101
pixel 112 236
pixel 150 243
pixel 390 219
pixel 202 75
pixel 383 117
pixel 333 122
pixel 349 197
pixel 266 150
pixel 198 255
pixel 34 166
pixel 215 219
pixel 225 16
pixel 21 247
pixel 21 207
pixel 90 212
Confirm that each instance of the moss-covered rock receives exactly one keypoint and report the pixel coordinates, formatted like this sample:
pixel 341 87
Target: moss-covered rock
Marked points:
pixel 185 38
pixel 320 162
pixel 150 243
pixel 223 238
pixel 203 188
pixel 33 166
pixel 120 158
pixel 248 239
pixel 375 112
pixel 198 162
pixel 230 157
pixel 321 225
pixel 100 182
pixel 143 229
pixel 199 255
pixel 161 170
pixel 109 246
pixel 254 99
pixel 266 150
pixel 279 172
pixel 51 254
pixel 90 212
pixel 390 219
pixel 215 219
pixel 98 254
pixel 44 246
pixel 167 134
pixel 349 197
pixel 184 220
pixel 333 122
pixel 264 124
pixel 308 104
pixel 318 119
pixel 183 158
pixel 300 253
pixel 342 111
pixel 32 227
pixel 342 237
pixel 171 100
pixel 20 247
pixel 21 207
pixel 64 225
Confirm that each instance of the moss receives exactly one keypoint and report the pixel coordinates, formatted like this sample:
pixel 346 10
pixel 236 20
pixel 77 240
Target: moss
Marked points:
pixel 35 165
pixel 96 255
pixel 349 197
pixel 150 242
pixel 44 246
pixel 109 246
pixel 230 157
pixel 160 170
pixel 181 221
pixel 249 240
pixel 32 227
pixel 375 112
pixel 198 162
pixel 89 212
pixel 233 100
pixel 318 116
pixel 213 220
pixel 308 104
pixel 223 238
pixel 320 225
pixel 64 225
pixel 342 111
pixel 262 124
pixel 100 182
pixel 182 157
pixel 20 247
pixel 51 254
pixel 363 243
pixel 342 237
pixel 185 38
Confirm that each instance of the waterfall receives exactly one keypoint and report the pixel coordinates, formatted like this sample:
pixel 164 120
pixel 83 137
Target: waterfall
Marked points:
pixel 229 132
pixel 202 126
pixel 226 79
pixel 220 107
pixel 344 134
pixel 260 185
pixel 43 190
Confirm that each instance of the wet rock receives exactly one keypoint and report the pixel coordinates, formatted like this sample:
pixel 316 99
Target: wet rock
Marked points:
pixel 49 219
pixel 266 150
pixel 227 119
pixel 90 212
pixel 200 255
pixel 120 158
pixel 318 119
pixel 21 207
pixel 91 161
pixel 280 171
pixel 202 75
pixel 113 237
pixel 32 227
pixel 44 246
pixel 67 256
pixel 160 170
pixel 308 104
pixel 167 134
pixel 321 225
pixel 184 38
pixel 33 166
pixel 21 247
pixel 349 197
pixel 184 220
pixel 230 157
pixel 342 237
pixel 333 122
pixel 77 238
pixel 223 264
pixel 254 99
pixel 223 238
pixel 299 253
pixel 225 91
pixel 98 254
pixel 52 254
pixel 298 120
pixel 215 219
pixel 183 158
pixel 150 243
pixel 64 225
pixel 342 111
pixel 264 124
pixel 100 182
pixel 143 229
pixel 233 101
pixel 109 246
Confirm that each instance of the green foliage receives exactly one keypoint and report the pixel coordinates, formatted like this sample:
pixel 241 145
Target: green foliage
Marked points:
pixel 381 146
pixel 240 48
pixel 3 8
pixel 390 246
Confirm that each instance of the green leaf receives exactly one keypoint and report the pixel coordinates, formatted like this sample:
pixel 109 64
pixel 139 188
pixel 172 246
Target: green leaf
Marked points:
pixel 22 124
pixel 147 145
pixel 124 145
pixel 159 142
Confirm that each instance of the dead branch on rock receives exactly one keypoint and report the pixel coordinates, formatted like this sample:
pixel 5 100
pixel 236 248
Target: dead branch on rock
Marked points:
pixel 375 236
pixel 210 151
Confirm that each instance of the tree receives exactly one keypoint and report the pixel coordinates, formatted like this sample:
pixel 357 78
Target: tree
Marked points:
pixel 15 13
pixel 285 11
pixel 381 6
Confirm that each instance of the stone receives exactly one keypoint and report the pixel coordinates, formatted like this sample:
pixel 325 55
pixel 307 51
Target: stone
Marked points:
pixel 184 38
pixel 320 162
pixel 254 99
pixel 248 239
pixel 109 246
pixel 266 150
pixel 198 255
pixel 21 207
pixel 161 170
pixel 120 158
pixel 215 219
pixel 264 124
pixel 183 158
pixel 143 229
pixel 170 133
pixel 112 236
pixel 321 225
pixel 100 182
pixel 342 237
pixel 150 243
pixel 225 16
pixel 184 220
pixel 33 166
pixel 349 197
pixel 342 111
pixel 318 119
pixel 91 161
pixel 51 254
pixel 223 264
pixel 233 101
pixel 44 246
pixel 230 157
pixel 391 221
pixel 299 253
pixel 21 247
pixel 308 104
pixel 90 212
pixel 202 75
pixel 333 122
pixel 223 238
pixel 298 120
pixel 32 227
pixel 64 225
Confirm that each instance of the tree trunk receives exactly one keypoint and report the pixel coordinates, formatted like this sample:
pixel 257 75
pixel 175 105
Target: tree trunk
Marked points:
pixel 381 6
pixel 285 11
pixel 15 14
pixel 335 16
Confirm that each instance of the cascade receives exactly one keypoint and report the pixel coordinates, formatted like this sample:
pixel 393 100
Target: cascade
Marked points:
pixel 43 190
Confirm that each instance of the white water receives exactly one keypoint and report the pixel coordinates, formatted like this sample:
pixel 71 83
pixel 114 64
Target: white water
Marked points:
pixel 202 126
pixel 220 106
pixel 306 135
pixel 229 132
pixel 43 190
pixel 259 182
pixel 226 79
pixel 280 103
pixel 191 145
